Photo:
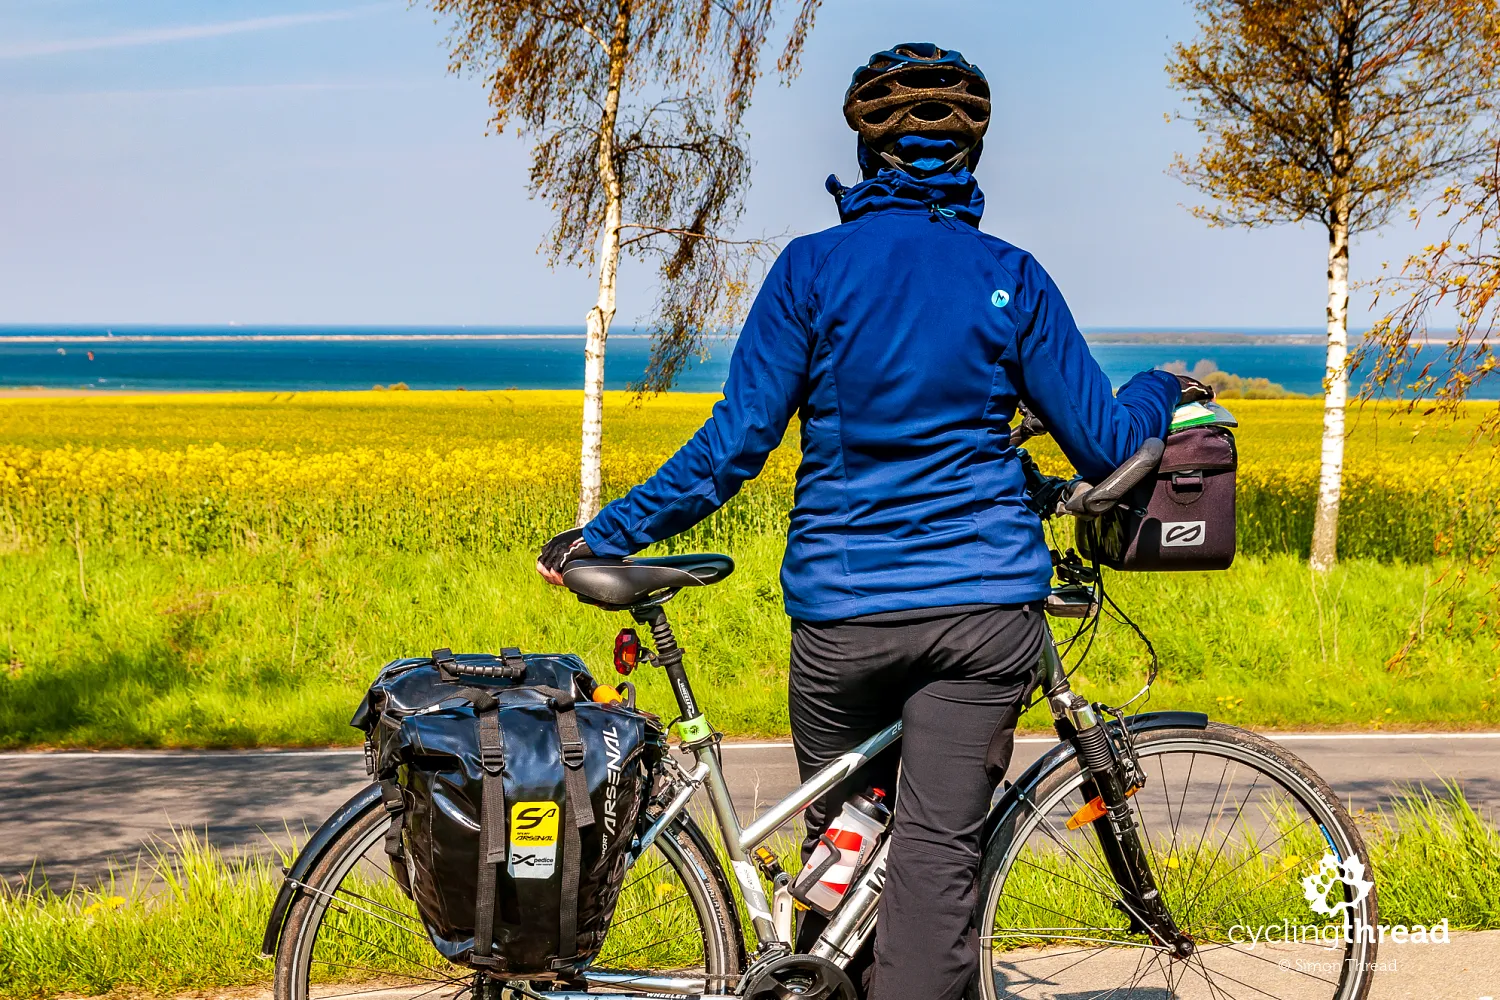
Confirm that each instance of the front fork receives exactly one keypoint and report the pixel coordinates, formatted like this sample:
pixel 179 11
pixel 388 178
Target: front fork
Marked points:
pixel 1111 778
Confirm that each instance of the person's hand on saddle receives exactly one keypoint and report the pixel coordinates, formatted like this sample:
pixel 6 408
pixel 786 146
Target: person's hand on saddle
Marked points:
pixel 560 550
pixel 1194 391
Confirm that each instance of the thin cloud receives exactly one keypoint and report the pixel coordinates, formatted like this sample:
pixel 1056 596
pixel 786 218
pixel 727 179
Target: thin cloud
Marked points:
pixel 186 33
pixel 217 90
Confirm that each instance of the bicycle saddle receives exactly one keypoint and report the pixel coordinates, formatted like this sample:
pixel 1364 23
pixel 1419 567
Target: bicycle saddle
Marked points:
pixel 620 583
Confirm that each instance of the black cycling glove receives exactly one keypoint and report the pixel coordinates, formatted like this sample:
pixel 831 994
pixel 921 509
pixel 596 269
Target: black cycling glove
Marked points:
pixel 1193 391
pixel 560 550
pixel 1027 427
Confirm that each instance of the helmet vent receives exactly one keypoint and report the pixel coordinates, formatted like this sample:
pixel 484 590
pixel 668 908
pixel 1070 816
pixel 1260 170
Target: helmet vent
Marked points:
pixel 931 112
pixel 929 79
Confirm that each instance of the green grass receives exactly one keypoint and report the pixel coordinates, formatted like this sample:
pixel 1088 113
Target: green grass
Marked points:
pixel 1432 859
pixel 274 647
pixel 193 920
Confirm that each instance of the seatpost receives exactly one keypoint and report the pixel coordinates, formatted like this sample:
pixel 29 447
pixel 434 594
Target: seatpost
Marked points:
pixel 698 737
pixel 669 656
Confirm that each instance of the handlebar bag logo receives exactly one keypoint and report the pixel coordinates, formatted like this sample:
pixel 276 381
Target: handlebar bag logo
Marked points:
pixel 1180 533
pixel 533 839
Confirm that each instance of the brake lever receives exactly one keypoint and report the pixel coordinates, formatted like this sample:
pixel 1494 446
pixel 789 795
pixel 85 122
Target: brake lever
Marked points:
pixel 1071 501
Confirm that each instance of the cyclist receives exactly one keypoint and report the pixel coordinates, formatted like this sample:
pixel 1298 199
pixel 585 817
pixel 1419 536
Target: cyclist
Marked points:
pixel 904 340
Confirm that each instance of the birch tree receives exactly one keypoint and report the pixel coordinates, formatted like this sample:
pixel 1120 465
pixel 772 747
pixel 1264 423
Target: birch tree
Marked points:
pixel 634 110
pixel 1339 112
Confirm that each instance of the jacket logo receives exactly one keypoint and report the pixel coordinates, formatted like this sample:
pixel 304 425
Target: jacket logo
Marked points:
pixel 1000 299
pixel 1178 533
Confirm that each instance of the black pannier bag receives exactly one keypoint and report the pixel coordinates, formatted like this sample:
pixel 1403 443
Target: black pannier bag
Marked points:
pixel 1182 518
pixel 514 800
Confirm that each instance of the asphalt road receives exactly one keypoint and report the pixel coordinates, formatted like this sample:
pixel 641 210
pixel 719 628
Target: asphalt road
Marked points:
pixel 69 816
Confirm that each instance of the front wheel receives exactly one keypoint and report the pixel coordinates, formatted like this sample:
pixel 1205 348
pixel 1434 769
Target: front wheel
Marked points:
pixel 352 930
pixel 1255 857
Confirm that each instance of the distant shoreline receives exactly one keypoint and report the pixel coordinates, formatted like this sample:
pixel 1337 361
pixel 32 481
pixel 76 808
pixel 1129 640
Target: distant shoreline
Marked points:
pixel 1168 338
pixel 1206 339
pixel 286 338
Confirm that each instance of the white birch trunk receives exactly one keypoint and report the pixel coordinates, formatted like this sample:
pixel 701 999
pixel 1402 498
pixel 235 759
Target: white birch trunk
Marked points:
pixel 1335 397
pixel 591 455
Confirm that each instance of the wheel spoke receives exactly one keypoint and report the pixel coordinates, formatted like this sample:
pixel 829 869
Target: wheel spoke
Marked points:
pixel 382 948
pixel 1226 855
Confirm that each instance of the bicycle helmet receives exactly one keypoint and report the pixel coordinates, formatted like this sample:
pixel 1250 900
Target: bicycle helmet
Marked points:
pixel 919 90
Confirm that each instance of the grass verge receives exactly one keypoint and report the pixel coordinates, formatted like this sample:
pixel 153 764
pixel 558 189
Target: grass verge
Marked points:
pixel 274 647
pixel 194 920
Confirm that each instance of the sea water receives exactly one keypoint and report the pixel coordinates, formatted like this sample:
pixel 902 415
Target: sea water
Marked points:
pixel 301 359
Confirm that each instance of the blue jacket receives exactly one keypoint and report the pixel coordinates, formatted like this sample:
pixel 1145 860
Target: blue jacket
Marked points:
pixel 902 340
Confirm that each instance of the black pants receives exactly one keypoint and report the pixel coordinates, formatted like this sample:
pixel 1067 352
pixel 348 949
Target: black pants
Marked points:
pixel 957 683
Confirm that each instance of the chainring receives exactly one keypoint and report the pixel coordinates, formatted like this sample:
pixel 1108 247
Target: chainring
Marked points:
pixel 798 977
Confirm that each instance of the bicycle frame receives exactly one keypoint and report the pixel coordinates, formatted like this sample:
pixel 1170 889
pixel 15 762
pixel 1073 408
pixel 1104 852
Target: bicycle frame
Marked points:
pixel 854 920
pixel 739 840
pixel 852 923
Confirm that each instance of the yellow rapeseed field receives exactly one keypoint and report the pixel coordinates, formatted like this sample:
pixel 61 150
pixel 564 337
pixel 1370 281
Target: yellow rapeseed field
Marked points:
pixel 415 470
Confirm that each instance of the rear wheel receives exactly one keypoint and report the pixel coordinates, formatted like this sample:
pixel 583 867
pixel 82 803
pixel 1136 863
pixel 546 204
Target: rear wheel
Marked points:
pixel 353 932
pixel 1233 825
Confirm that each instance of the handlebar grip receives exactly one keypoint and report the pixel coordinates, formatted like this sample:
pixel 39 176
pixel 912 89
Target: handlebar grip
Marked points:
pixel 1095 501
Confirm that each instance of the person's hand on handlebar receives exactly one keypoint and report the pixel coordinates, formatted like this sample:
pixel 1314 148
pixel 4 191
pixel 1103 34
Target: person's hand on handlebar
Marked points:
pixel 1193 391
pixel 560 550
pixel 1027 427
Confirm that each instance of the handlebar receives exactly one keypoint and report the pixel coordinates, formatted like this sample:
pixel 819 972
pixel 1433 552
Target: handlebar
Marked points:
pixel 1087 501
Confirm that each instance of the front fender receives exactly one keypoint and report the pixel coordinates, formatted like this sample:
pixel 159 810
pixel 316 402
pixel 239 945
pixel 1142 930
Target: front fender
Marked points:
pixel 350 812
pixel 1004 812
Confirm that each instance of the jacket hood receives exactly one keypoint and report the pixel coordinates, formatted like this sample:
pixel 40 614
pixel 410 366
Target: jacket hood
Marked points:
pixel 890 190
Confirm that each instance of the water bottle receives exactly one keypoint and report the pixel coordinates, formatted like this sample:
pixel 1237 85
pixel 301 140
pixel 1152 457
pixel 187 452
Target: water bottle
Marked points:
pixel 842 852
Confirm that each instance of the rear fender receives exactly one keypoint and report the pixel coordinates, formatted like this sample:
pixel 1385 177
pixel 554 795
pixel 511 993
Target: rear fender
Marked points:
pixel 347 815
pixel 1007 809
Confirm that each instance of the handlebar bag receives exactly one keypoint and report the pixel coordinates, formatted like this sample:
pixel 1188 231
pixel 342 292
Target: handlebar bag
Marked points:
pixel 514 801
pixel 1182 518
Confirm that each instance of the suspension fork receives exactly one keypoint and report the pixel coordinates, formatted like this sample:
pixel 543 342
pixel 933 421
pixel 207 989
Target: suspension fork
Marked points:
pixel 1111 780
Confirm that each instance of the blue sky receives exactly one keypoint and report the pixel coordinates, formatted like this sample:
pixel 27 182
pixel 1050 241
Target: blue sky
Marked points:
pixel 293 161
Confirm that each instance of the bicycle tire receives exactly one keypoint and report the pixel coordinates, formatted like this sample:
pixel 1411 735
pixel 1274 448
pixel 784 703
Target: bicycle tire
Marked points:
pixel 1057 792
pixel 681 847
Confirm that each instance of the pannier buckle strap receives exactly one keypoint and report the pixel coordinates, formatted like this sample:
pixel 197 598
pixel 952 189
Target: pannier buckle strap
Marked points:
pixel 573 753
pixel 491 743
